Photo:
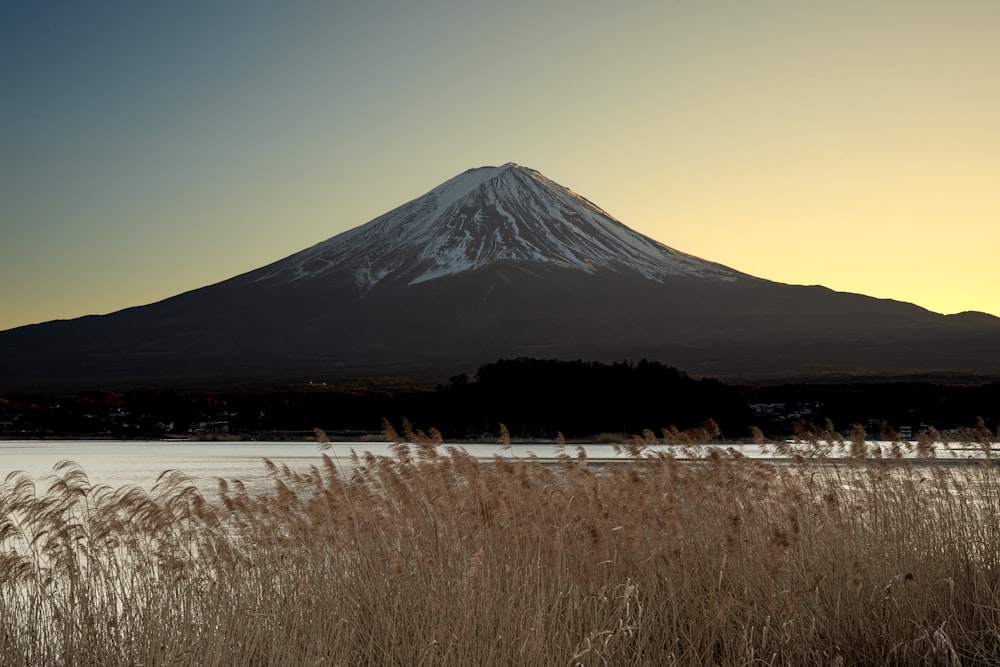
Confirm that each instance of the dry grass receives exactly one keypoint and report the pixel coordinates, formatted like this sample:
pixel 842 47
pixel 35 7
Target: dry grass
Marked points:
pixel 437 558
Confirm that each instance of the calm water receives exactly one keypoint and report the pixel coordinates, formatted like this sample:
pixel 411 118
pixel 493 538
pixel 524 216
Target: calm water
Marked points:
pixel 120 463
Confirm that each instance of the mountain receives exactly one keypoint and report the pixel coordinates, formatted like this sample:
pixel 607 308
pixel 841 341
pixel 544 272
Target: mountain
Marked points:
pixel 496 262
pixel 487 216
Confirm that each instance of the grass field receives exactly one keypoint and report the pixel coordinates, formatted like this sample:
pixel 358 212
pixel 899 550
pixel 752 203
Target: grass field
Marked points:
pixel 694 557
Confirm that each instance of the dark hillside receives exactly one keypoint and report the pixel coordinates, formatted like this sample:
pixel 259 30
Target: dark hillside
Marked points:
pixel 534 398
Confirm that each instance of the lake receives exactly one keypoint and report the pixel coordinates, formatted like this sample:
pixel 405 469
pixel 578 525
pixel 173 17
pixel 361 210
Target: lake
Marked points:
pixel 119 463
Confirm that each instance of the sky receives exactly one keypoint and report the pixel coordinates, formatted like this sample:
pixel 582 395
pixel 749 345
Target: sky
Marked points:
pixel 147 149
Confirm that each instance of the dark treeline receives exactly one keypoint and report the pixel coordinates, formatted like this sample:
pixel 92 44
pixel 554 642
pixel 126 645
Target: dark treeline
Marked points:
pixel 533 398
pixel 541 397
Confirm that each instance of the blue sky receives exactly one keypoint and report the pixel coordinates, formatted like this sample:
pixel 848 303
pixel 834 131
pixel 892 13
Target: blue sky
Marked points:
pixel 151 148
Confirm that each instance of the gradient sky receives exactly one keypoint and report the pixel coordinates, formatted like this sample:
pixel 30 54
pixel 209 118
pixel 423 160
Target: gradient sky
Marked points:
pixel 151 148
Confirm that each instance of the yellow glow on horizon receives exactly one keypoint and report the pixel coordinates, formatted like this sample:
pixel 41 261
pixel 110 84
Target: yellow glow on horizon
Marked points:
pixel 853 145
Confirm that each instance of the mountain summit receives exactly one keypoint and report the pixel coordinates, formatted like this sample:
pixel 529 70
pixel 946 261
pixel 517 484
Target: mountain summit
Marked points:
pixel 487 215
pixel 495 262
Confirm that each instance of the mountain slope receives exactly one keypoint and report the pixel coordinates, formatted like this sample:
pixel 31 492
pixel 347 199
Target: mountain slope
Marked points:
pixel 496 262
pixel 488 215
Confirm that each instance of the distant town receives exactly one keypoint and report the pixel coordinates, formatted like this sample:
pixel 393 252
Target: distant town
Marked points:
pixel 532 398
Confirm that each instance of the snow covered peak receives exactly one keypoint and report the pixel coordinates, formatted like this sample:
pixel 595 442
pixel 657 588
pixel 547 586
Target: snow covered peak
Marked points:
pixel 508 213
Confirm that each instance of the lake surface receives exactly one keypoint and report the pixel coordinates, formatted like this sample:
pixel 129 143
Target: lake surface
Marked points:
pixel 119 463
pixel 140 463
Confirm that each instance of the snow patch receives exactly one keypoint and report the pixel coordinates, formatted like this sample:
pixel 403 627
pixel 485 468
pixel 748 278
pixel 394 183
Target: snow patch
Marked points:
pixel 485 215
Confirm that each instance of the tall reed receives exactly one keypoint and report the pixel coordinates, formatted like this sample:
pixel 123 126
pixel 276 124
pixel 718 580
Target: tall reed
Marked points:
pixel 686 555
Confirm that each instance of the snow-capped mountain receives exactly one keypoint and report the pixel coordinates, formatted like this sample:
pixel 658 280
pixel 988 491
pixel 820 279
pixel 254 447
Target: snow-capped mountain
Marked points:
pixel 495 262
pixel 490 214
